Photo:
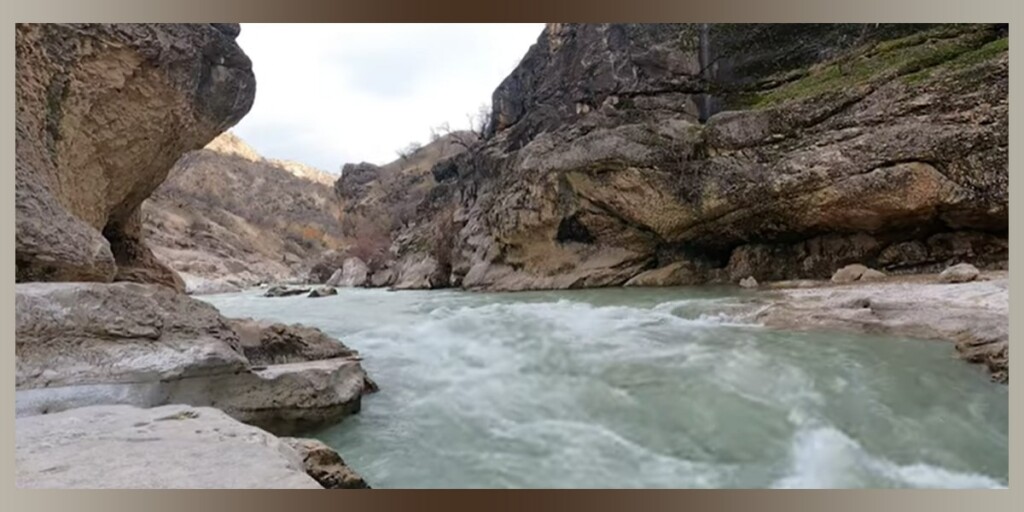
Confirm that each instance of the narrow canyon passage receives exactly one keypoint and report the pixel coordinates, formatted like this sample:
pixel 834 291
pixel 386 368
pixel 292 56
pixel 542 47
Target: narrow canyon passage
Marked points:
pixel 630 388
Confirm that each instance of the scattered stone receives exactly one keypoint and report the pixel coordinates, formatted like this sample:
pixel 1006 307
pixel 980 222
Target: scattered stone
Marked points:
pixel 323 291
pixel 748 282
pixel 959 273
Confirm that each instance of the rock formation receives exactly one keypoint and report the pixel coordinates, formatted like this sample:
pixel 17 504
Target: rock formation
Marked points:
pixel 974 315
pixel 228 219
pixel 377 203
pixel 959 273
pixel 103 112
pixel 618 154
pixel 325 465
pixel 169 447
pixel 82 344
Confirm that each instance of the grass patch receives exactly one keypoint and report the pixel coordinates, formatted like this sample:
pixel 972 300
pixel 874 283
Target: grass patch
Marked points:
pixel 964 60
pixel 913 55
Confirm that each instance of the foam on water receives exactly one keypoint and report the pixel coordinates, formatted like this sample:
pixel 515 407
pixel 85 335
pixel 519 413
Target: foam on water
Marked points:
pixel 643 388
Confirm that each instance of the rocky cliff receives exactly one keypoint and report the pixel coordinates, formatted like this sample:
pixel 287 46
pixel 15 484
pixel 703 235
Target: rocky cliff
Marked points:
pixel 378 202
pixel 683 154
pixel 227 218
pixel 103 112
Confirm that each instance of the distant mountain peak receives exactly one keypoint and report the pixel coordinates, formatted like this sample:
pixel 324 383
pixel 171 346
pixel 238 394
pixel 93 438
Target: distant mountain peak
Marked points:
pixel 228 143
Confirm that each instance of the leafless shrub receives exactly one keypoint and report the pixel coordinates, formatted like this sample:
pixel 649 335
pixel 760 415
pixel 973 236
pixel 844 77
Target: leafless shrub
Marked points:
pixel 409 150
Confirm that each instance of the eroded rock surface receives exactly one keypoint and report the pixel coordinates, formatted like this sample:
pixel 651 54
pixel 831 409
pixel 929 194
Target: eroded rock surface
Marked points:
pixel 169 447
pixel 325 465
pixel 614 151
pixel 81 344
pixel 974 315
pixel 103 112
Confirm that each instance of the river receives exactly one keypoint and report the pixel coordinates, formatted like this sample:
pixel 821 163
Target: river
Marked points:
pixel 643 388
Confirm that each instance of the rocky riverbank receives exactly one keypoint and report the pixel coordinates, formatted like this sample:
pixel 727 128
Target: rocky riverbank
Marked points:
pixel 974 315
pixel 174 446
pixel 122 380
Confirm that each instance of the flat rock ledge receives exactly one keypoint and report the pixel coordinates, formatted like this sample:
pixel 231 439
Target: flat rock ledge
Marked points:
pixel 974 315
pixel 87 344
pixel 168 447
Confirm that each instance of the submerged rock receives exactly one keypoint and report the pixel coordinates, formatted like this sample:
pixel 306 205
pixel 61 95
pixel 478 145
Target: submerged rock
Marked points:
pixel 748 282
pixel 169 447
pixel 285 291
pixel 323 291
pixel 959 273
pixel 325 465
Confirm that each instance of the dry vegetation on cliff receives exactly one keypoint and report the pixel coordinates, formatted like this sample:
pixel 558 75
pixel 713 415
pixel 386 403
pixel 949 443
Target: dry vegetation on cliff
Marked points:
pixel 227 215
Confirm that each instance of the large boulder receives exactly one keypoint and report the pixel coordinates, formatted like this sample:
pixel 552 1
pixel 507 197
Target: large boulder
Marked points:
pixel 354 272
pixel 104 111
pixel 959 273
pixel 81 344
pixel 169 447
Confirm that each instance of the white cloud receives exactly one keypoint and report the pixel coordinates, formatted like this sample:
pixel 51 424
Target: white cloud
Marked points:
pixel 327 94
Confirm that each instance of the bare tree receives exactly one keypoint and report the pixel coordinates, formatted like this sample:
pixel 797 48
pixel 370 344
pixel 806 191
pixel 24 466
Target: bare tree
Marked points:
pixel 462 138
pixel 439 131
pixel 480 122
pixel 409 150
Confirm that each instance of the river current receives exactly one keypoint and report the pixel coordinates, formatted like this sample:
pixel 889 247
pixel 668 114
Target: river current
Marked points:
pixel 643 388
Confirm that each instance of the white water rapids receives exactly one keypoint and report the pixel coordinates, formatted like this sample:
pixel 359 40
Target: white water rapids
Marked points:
pixel 643 388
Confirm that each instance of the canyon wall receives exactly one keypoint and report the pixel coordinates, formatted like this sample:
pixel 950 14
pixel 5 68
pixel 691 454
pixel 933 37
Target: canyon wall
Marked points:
pixel 685 154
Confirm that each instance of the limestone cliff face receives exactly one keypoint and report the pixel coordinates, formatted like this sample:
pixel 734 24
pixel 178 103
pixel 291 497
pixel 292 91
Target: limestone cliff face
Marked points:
pixel 103 112
pixel 679 154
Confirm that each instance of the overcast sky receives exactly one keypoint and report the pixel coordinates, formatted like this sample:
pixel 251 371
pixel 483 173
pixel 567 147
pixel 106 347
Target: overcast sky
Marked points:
pixel 327 94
